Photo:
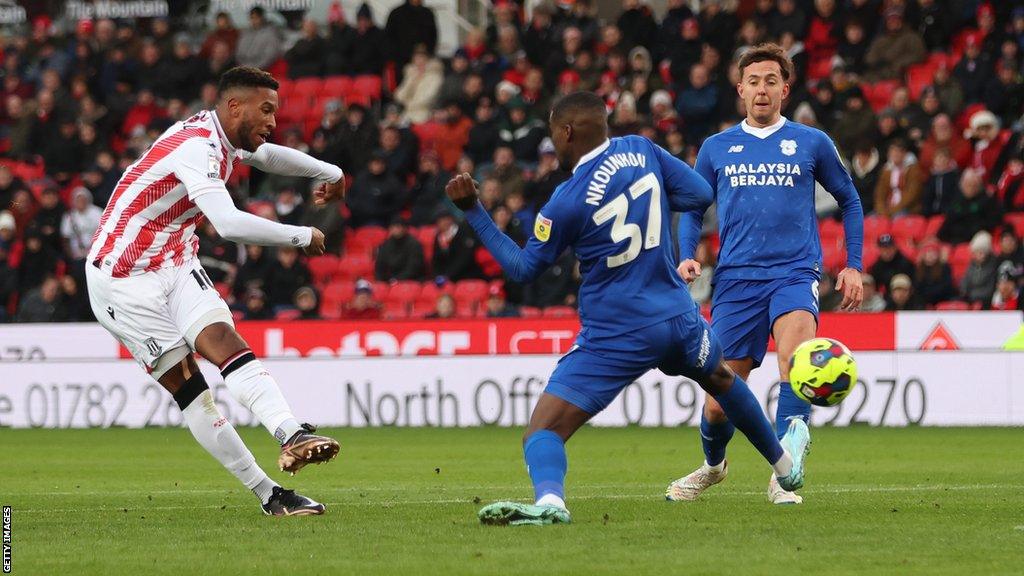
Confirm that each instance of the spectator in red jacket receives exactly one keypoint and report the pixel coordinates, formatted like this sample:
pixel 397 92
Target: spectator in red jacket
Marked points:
pixel 362 306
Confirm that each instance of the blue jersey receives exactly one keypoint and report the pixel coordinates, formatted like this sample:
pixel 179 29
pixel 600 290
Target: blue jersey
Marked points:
pixel 615 212
pixel 764 181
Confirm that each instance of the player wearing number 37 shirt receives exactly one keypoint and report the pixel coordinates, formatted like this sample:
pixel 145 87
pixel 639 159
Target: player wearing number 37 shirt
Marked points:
pixel 147 287
pixel 636 312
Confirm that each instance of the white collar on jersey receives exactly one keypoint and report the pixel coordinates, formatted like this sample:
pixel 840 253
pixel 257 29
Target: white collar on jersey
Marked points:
pixel 765 132
pixel 592 154
pixel 223 137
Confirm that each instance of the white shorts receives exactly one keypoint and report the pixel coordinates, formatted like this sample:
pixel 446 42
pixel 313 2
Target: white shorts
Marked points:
pixel 157 315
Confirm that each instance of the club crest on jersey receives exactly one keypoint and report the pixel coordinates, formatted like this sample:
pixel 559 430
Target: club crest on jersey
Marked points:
pixel 154 348
pixel 542 228
pixel 788 147
pixel 212 165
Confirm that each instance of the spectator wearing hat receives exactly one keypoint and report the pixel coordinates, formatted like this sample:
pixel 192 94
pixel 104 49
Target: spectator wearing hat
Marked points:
pixel 890 261
pixel 78 226
pixel 255 305
pixel 873 301
pixel 900 184
pixel 933 277
pixel 979 281
pixel 1004 94
pixel 1007 293
pixel 340 41
pixel 307 303
pixel 901 296
pixel 307 57
pixel 376 194
pixel 410 24
pixel 520 132
pixel 865 168
pixel 857 123
pixel 987 142
pixel 454 255
pixel 973 71
pixel 497 306
pixel 894 50
pixel 971 211
pixel 400 256
pixel 260 45
pixel 421 83
pixel 942 185
pixel 370 45
pixel 546 178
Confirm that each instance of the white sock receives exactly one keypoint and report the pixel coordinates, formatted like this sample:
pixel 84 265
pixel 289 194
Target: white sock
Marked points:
pixel 783 466
pixel 219 438
pixel 551 500
pixel 254 387
pixel 717 468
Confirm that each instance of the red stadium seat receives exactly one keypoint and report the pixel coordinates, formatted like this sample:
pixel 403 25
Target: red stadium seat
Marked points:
pixel 468 310
pixel 335 295
pixel 559 312
pixel 834 258
pixel 354 266
pixel 368 85
pixel 470 291
pixel 289 314
pixel 908 248
pixel 952 305
pixel 1016 221
pixel 285 87
pixel 920 76
pixel 307 88
pixel 394 310
pixel 237 315
pixel 421 309
pixel 911 227
pixel 406 291
pixel 223 289
pixel 875 226
pixel 529 312
pixel 959 259
pixel 293 111
pixel 830 231
pixel 430 292
pixel 323 268
pixel 336 87
pixel 371 236
pixel 934 223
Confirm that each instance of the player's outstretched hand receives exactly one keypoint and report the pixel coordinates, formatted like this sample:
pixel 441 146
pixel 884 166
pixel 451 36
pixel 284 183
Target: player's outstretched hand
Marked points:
pixel 850 284
pixel 328 191
pixel 316 244
pixel 689 270
pixel 462 191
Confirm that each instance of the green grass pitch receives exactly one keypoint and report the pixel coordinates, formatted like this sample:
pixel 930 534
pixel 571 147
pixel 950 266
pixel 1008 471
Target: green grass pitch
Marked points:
pixel 404 501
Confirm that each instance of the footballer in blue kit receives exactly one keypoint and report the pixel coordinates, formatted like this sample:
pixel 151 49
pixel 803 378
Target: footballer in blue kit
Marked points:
pixel 635 310
pixel 764 172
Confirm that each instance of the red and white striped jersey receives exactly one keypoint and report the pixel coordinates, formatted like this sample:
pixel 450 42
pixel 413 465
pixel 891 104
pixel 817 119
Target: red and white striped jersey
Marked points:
pixel 151 218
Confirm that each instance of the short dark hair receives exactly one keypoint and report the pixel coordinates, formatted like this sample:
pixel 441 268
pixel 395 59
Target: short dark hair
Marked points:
pixel 246 77
pixel 767 52
pixel 577 102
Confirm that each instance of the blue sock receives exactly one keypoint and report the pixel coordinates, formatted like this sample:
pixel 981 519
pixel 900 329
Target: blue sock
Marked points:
pixel 745 413
pixel 714 438
pixel 546 463
pixel 789 405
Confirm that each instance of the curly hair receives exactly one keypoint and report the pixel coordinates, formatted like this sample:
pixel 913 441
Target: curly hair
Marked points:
pixel 246 77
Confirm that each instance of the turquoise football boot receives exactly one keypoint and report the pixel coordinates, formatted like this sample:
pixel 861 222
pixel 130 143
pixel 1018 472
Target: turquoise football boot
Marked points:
pixel 797 442
pixel 518 514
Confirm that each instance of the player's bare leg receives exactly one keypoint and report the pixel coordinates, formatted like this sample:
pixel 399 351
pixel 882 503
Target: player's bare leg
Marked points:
pixel 716 432
pixel 789 331
pixel 253 387
pixel 214 433
pixel 552 423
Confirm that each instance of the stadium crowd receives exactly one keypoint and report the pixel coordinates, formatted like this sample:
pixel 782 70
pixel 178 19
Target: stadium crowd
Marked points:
pixel 923 98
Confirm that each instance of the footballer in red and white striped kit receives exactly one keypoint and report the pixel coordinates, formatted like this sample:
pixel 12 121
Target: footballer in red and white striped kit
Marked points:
pixel 147 287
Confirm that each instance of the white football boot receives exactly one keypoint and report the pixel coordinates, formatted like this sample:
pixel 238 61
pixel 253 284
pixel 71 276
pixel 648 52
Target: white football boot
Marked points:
pixel 776 495
pixel 689 487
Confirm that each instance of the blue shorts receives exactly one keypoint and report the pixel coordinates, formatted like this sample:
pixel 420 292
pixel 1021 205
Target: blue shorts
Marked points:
pixel 593 373
pixel 744 311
